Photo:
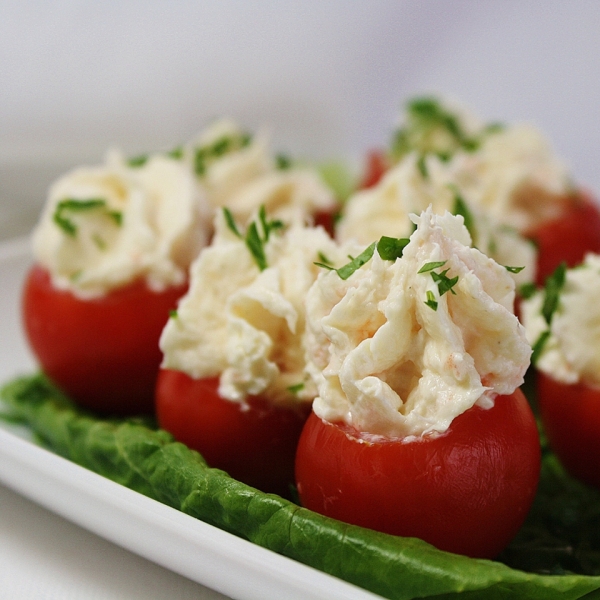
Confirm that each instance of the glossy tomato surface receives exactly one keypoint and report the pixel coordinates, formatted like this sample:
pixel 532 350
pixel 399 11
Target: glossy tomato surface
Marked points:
pixel 466 491
pixel 570 414
pixel 568 237
pixel 103 352
pixel 254 444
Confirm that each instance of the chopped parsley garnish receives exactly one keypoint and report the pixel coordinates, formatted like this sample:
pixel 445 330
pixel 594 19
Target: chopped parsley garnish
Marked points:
pixel 255 239
pixel 356 263
pixel 422 166
pixel 294 389
pixel 461 208
pixel 390 248
pixel 527 290
pixel 66 208
pixel 444 283
pixel 513 269
pixel 207 154
pixel 432 129
pixel 255 245
pixel 283 162
pixel 324 260
pixel 173 314
pixel 430 266
pixel 552 289
pixel 431 301
pixel 138 161
pixel 176 153
pixel 387 247
pixel 231 222
pixel 268 226
pixel 539 346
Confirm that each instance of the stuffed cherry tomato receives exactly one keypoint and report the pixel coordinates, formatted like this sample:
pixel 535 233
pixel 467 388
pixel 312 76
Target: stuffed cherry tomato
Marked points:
pixel 571 417
pixel 465 491
pixel 103 352
pixel 111 249
pixel 233 383
pixel 418 426
pixel 568 237
pixel 563 324
pixel 254 442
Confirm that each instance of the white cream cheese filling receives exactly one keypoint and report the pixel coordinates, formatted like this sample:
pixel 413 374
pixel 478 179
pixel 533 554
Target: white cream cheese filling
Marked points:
pixel 393 355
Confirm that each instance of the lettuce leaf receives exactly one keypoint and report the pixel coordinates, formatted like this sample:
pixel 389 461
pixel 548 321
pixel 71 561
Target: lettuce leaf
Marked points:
pixel 146 459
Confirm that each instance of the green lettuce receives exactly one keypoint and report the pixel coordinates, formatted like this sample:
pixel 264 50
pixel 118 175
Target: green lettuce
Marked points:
pixel 136 454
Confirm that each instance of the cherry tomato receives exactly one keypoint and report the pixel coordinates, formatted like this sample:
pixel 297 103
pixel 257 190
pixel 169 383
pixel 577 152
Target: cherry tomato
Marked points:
pixel 377 165
pixel 326 219
pixel 255 444
pixel 568 237
pixel 102 352
pixel 466 491
pixel 570 415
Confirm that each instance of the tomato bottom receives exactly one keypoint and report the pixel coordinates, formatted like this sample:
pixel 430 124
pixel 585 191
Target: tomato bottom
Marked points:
pixel 102 352
pixel 467 491
pixel 570 415
pixel 255 444
pixel 569 237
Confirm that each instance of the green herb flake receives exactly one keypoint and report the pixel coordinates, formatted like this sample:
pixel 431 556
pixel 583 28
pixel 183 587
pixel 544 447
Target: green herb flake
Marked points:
pixel 173 314
pixel 552 289
pixel 513 269
pixel 430 266
pixel 444 283
pixel 230 221
pixel 268 226
pixel 204 155
pixel 283 162
pixel 138 161
pixel 461 208
pixel 538 347
pixel 422 166
pixel 356 263
pixel 254 243
pixel 69 206
pixel 431 301
pixel 294 389
pixel 527 290
pixel 323 259
pixel 176 153
pixel 390 248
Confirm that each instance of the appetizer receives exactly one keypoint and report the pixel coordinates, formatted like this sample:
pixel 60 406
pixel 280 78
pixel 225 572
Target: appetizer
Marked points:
pixel 509 172
pixel 232 383
pixel 239 171
pixel 111 251
pixel 114 245
pixel 418 427
pixel 563 325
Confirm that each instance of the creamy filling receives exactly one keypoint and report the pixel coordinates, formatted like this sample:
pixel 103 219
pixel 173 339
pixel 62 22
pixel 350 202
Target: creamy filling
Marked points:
pixel 400 348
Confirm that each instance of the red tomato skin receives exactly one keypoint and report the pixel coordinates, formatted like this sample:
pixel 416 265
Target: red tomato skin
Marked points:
pixel 256 445
pixel 467 491
pixel 570 414
pixel 568 237
pixel 102 352
pixel 326 219
pixel 377 165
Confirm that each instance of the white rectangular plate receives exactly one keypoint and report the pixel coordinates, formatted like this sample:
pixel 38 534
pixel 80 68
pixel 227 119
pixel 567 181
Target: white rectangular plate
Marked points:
pixel 157 532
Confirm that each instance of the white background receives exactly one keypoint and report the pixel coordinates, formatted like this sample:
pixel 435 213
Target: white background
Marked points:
pixel 327 77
